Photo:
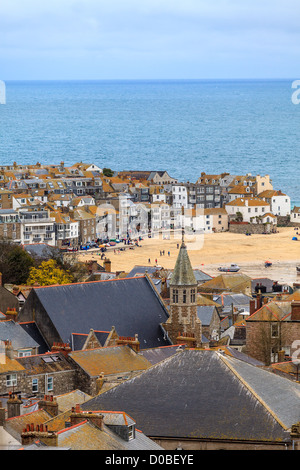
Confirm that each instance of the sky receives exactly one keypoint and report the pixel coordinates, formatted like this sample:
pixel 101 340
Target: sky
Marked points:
pixel 149 39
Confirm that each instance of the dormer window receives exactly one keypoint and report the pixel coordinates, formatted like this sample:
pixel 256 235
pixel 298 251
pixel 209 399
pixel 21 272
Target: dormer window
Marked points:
pixel 131 433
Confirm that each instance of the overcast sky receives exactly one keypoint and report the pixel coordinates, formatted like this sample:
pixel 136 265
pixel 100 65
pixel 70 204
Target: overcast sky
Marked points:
pixel 127 39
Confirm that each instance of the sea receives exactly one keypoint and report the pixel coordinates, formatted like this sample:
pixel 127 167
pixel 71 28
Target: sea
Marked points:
pixel 183 126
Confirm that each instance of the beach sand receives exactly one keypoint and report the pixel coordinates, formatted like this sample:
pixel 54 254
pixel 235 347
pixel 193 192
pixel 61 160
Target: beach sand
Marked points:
pixel 214 250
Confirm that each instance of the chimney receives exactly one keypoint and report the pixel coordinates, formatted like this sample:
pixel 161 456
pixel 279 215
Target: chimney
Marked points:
pixel 63 348
pixel 77 416
pixel 30 434
pixel 13 405
pixel 2 415
pixel 252 306
pixel 258 301
pixel 107 265
pixel 49 404
pixel 133 342
pixel 295 310
pixel 99 383
pixel 11 314
pixel 9 351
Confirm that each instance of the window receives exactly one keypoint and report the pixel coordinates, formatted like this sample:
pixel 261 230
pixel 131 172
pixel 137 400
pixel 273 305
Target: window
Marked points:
pixel 274 330
pixel 193 295
pixel 24 353
pixel 130 433
pixel 35 387
pixel 49 384
pixel 11 380
pixel 175 296
pixel 184 296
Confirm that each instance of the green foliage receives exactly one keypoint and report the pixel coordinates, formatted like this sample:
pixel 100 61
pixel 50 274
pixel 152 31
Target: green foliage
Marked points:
pixel 108 172
pixel 15 263
pixel 48 273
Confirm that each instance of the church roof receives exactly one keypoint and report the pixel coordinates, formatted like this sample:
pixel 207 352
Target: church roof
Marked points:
pixel 183 274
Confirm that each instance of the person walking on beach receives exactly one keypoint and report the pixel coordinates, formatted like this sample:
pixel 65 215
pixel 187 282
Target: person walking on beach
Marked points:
pixel 169 253
pixel 149 260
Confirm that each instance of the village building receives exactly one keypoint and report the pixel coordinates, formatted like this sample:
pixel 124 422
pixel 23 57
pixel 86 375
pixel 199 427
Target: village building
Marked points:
pixel 250 208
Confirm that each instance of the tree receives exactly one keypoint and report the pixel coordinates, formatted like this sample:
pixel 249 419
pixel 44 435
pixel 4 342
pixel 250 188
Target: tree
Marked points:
pixel 15 263
pixel 48 273
pixel 239 217
pixel 108 172
pixel 19 263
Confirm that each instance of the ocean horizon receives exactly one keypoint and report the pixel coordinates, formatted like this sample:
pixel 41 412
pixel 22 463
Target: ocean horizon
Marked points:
pixel 183 126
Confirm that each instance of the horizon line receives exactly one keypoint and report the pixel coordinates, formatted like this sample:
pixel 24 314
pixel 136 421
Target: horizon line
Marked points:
pixel 141 79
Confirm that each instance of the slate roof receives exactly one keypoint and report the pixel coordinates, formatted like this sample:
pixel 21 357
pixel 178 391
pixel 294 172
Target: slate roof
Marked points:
pixel 201 276
pixel 205 314
pixel 16 425
pixel 229 282
pixel 32 330
pixel 215 397
pixel 44 363
pixel 111 360
pixel 41 250
pixel 238 300
pixel 156 355
pixel 131 305
pixel 9 330
pixel 68 400
pixel 79 339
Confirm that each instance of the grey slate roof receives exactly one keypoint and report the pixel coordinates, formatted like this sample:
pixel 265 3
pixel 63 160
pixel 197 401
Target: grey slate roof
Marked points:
pixel 201 276
pixel 9 330
pixel 183 274
pixel 205 313
pixel 131 305
pixel 32 330
pixel 41 250
pixel 156 355
pixel 213 398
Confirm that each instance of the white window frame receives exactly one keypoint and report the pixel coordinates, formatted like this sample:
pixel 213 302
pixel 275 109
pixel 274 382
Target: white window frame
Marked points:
pixel 11 380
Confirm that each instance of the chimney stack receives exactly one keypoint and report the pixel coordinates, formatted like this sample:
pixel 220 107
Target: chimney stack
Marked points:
pixel 9 351
pixel 64 348
pixel 30 434
pixel 11 314
pixel 13 405
pixel 49 404
pixel 77 416
pixel 107 265
pixel 252 306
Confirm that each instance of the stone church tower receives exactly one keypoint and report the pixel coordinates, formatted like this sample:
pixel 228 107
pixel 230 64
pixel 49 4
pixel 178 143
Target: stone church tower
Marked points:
pixel 183 325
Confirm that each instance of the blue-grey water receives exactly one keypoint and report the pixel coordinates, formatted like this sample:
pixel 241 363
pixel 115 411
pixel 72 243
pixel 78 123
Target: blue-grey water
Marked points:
pixel 183 126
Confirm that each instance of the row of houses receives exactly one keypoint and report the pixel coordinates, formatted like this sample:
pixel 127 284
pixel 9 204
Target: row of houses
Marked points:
pixel 75 205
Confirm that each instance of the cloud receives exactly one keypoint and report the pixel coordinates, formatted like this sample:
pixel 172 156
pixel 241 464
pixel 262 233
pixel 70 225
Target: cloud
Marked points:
pixel 147 32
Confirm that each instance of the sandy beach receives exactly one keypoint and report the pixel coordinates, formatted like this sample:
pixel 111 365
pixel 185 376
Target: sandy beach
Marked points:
pixel 214 250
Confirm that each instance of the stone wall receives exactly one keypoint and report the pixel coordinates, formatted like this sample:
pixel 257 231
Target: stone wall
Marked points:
pixel 251 228
pixel 63 382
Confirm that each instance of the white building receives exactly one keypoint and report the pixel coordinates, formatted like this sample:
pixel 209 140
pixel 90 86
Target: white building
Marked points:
pixel 37 227
pixel 251 208
pixel 279 202
pixel 180 196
